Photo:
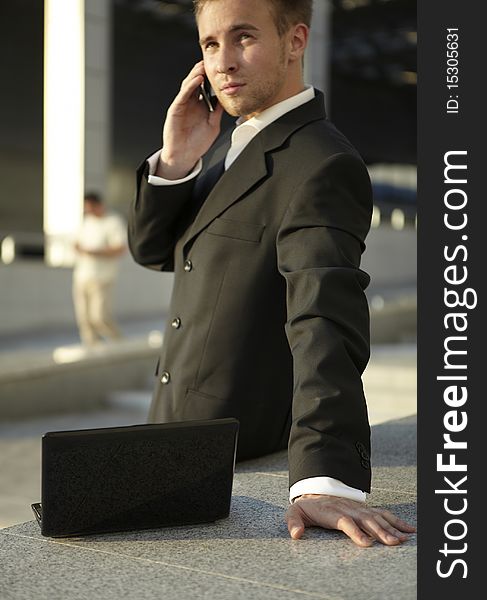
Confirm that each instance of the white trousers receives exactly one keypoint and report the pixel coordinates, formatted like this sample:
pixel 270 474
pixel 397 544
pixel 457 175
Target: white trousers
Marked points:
pixel 93 309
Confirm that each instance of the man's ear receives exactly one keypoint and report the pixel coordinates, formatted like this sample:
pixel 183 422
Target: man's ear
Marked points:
pixel 298 39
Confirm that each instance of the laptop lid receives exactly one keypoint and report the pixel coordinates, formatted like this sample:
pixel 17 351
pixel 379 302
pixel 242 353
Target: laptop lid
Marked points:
pixel 136 477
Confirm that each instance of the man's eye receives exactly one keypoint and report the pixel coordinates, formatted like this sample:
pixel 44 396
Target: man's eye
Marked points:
pixel 244 36
pixel 210 45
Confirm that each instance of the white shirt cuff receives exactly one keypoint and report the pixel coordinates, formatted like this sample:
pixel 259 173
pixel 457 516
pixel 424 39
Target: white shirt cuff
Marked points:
pixel 154 180
pixel 325 485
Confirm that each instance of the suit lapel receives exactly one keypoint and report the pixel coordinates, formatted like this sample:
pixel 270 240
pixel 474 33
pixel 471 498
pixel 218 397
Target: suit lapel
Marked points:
pixel 246 171
pixel 219 192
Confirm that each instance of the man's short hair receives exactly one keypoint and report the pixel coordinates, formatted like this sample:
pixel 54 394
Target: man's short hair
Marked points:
pixel 286 13
pixel 93 197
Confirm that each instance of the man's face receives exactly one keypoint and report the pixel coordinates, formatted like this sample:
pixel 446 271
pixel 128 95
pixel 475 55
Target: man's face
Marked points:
pixel 93 208
pixel 245 59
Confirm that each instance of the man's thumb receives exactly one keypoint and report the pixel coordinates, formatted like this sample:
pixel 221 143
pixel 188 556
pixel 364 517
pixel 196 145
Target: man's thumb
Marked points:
pixel 295 526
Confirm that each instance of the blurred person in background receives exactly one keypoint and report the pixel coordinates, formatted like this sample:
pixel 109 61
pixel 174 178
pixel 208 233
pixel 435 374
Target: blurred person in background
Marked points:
pixel 99 244
pixel 264 228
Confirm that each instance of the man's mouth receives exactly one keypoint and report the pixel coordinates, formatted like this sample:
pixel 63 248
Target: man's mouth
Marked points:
pixel 231 88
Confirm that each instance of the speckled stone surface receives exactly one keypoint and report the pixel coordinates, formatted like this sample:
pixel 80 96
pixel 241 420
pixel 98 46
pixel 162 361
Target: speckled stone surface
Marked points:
pixel 248 555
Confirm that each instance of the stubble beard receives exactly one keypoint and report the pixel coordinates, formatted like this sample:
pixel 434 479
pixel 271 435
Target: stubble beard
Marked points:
pixel 256 96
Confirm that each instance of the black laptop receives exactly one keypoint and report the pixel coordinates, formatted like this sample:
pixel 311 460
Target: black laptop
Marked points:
pixel 136 477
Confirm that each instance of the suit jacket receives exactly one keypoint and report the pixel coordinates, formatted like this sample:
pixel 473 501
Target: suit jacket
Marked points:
pixel 268 320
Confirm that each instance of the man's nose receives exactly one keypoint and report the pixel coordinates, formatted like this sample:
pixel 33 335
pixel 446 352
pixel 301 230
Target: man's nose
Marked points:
pixel 226 62
pixel 229 69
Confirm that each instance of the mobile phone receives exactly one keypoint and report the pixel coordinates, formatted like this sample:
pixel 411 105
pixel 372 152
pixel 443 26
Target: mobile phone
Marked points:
pixel 208 95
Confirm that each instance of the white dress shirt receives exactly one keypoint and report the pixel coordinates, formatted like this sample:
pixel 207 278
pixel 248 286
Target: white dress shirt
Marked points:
pixel 99 233
pixel 243 134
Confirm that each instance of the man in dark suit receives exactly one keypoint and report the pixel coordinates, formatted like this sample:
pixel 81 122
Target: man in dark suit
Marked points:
pixel 264 228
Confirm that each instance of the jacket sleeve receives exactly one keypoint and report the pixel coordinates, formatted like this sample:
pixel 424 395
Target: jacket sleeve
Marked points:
pixel 157 218
pixel 319 245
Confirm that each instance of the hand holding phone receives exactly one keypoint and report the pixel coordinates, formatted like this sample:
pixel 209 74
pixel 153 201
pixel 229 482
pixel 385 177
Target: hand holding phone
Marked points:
pixel 191 126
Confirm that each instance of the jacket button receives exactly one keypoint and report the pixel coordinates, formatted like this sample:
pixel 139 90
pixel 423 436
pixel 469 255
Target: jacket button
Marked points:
pixel 165 377
pixel 188 265
pixel 176 323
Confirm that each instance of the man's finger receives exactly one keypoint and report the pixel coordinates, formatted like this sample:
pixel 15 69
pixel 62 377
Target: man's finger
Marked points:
pixel 189 84
pixel 188 88
pixel 391 529
pixel 295 525
pixel 198 69
pixel 396 521
pixel 354 532
pixel 372 525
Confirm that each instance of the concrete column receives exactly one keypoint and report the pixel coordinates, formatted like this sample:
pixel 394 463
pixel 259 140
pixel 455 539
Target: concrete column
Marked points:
pixel 317 60
pixel 64 95
pixel 77 117
pixel 97 93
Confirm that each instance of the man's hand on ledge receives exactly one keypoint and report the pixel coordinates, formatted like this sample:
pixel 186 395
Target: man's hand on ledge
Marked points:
pixel 363 525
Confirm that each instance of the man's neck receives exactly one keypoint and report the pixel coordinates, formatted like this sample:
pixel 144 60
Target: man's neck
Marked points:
pixel 281 97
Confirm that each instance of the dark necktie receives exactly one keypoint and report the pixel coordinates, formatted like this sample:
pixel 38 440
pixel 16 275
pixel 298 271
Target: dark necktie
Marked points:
pixel 207 180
